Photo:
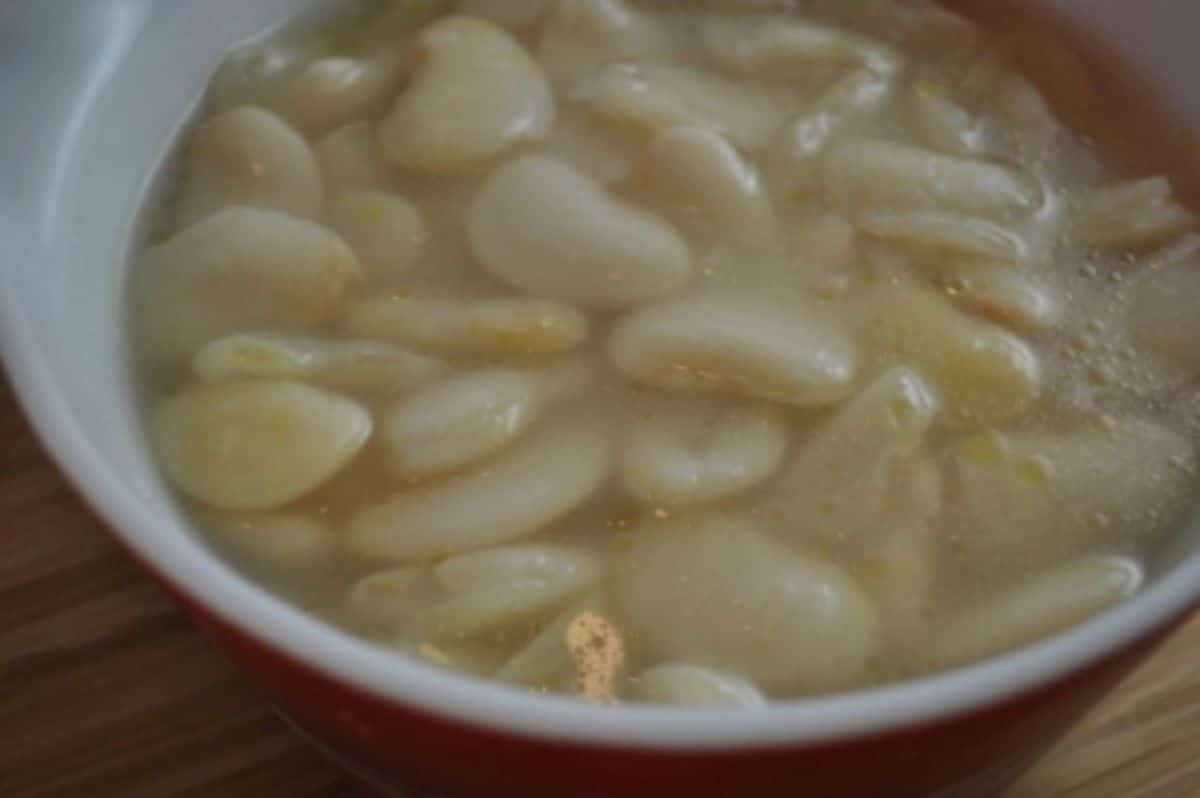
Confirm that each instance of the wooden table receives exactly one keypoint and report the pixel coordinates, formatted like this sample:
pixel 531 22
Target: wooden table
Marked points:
pixel 106 690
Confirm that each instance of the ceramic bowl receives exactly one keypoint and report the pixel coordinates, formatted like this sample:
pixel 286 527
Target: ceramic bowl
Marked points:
pixel 93 92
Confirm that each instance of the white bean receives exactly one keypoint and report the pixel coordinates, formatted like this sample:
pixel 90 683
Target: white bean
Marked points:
pixel 1135 215
pixel 494 608
pixel 552 562
pixel 368 366
pixel 498 327
pixel 249 75
pixel 256 445
pixel 394 598
pixel 335 90
pixel 984 374
pixel 516 14
pixel 939 233
pixel 239 268
pixel 590 147
pixel 249 156
pixel 681 684
pixel 796 159
pixel 518 494
pixel 941 121
pixel 676 460
pixel 470 416
pixel 896 561
pixel 386 231
pixel 494 588
pixel 351 157
pixel 581 36
pixel 1016 105
pixel 740 602
pixel 1058 492
pixel 543 227
pixel 784 48
pixel 1051 603
pixel 703 183
pixel 873 173
pixel 278 540
pixel 839 480
pixel 726 341
pixel 649 96
pixel 476 94
pixel 1008 296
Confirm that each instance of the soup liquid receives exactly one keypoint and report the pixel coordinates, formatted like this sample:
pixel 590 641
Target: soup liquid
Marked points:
pixel 889 368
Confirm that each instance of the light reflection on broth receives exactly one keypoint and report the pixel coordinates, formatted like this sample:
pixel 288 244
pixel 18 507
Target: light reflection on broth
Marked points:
pixel 672 352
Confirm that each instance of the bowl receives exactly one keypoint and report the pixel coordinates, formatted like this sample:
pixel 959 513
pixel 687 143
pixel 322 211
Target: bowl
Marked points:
pixel 94 91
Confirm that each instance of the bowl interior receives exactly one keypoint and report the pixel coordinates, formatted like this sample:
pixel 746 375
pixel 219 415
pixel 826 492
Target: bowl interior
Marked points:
pixel 99 89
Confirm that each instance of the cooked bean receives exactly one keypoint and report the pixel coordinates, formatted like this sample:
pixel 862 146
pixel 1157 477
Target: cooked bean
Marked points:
pixel 515 14
pixel 581 36
pixel 1132 215
pixel 543 227
pixel 985 374
pixel 256 445
pixel 470 416
pixel 386 231
pixel 868 173
pixel 1164 317
pixel 938 233
pixel 249 156
pixel 1051 494
pixel 672 459
pixel 707 187
pixel 277 540
pixel 333 91
pixel 651 96
pixel 351 157
pixel 1055 601
pixel 783 48
pixel 476 94
pixel 841 476
pixel 725 341
pixel 1008 296
pixel 501 326
pixel 681 684
pixel 516 495
pixel 796 163
pixel 740 602
pixel 242 267
pixel 368 366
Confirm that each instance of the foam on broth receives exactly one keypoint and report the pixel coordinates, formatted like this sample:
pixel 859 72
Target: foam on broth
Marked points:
pixel 666 352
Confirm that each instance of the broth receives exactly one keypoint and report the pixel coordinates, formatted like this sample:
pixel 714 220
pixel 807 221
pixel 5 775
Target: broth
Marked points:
pixel 695 353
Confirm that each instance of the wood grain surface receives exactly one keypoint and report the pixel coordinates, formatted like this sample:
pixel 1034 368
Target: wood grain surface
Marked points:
pixel 106 689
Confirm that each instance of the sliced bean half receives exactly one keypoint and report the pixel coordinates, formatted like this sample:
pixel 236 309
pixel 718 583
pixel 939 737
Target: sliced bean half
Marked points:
pixel 470 416
pixel 516 495
pixel 673 460
pixel 353 365
pixel 726 341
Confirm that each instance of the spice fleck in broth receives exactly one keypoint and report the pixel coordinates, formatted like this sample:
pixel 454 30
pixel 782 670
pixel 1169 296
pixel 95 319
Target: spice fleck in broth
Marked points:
pixel 692 353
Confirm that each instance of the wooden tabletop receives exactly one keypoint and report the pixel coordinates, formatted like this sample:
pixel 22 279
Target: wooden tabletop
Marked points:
pixel 106 689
